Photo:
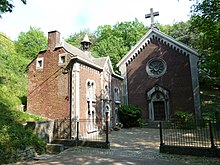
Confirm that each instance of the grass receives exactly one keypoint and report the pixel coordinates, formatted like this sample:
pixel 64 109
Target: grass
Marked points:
pixel 13 91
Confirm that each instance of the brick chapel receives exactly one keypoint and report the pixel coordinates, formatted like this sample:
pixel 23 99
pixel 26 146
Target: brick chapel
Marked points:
pixel 160 75
pixel 64 82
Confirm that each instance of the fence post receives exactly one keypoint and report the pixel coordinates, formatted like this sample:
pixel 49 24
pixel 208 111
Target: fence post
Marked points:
pixel 161 135
pixel 211 135
pixel 70 127
pixel 106 123
pixel 77 130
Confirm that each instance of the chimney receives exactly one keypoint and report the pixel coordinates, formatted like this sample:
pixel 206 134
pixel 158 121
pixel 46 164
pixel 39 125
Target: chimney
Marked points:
pixel 53 39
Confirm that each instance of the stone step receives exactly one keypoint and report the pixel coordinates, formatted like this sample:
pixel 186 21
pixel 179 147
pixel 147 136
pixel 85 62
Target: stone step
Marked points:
pixel 55 148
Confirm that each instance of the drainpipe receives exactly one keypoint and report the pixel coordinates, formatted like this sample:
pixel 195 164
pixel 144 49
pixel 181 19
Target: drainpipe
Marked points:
pixel 70 82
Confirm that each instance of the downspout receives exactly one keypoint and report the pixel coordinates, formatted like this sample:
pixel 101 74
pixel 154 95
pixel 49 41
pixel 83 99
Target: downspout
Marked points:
pixel 70 85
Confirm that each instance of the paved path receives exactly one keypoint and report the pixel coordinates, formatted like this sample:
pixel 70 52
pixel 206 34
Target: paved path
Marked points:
pixel 128 147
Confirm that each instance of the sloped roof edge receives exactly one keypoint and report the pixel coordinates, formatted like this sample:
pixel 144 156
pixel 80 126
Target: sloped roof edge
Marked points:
pixel 160 36
pixel 108 60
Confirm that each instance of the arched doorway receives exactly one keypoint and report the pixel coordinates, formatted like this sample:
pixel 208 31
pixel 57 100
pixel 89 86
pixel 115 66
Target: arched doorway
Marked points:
pixel 158 104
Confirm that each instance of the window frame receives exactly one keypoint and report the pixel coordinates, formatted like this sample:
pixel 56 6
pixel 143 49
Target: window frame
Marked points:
pixel 38 65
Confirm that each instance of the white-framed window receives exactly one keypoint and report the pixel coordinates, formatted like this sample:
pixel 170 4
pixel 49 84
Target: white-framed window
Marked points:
pixel 116 95
pixel 91 126
pixel 40 63
pixel 91 90
pixel 62 58
pixel 106 91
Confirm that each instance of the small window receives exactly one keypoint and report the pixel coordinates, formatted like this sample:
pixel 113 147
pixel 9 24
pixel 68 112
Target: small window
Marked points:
pixel 116 95
pixel 40 63
pixel 62 59
pixel 106 87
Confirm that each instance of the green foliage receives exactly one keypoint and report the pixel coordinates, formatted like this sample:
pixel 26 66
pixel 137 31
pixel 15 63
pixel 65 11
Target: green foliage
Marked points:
pixel 14 136
pixel 30 43
pixel 13 92
pixel 7 6
pixel 76 38
pixel 205 20
pixel 183 116
pixel 130 116
pixel 115 41
pixel 181 32
pixel 210 104
pixel 13 81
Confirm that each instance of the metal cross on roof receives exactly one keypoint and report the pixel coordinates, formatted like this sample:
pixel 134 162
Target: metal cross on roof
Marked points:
pixel 152 15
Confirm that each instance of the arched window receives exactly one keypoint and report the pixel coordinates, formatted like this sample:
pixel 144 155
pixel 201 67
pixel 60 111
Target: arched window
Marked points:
pixel 106 91
pixel 91 90
pixel 116 95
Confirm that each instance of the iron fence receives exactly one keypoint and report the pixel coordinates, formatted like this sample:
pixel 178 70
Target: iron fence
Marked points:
pixel 81 130
pixel 200 134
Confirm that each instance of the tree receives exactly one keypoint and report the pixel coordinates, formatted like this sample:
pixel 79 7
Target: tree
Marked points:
pixel 30 43
pixel 7 6
pixel 205 20
pixel 9 58
pixel 115 41
pixel 181 31
pixel 76 38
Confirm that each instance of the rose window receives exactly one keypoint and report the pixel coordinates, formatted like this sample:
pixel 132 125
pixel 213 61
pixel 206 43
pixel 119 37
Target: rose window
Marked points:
pixel 156 67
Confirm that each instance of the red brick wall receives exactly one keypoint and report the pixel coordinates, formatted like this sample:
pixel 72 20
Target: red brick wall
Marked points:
pixel 177 78
pixel 48 87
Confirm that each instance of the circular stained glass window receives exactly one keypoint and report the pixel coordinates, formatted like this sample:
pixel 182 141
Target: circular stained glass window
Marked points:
pixel 156 67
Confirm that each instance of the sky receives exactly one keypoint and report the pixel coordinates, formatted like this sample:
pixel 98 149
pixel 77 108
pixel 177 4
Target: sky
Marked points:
pixel 71 16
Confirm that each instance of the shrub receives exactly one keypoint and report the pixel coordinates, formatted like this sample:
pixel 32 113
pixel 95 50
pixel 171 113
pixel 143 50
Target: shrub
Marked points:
pixel 13 135
pixel 183 116
pixel 130 116
pixel 211 113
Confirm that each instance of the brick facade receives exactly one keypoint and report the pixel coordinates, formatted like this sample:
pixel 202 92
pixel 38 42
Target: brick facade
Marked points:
pixel 177 78
pixel 63 79
pixel 48 87
pixel 164 86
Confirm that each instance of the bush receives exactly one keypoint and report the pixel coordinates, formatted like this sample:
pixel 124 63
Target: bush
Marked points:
pixel 16 137
pixel 211 113
pixel 13 135
pixel 183 116
pixel 130 116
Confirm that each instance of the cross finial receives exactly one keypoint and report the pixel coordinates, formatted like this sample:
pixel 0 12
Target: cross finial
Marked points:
pixel 152 15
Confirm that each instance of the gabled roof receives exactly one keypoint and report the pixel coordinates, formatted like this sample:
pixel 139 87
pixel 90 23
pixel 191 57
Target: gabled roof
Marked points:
pixel 75 51
pixel 100 61
pixel 85 57
pixel 154 34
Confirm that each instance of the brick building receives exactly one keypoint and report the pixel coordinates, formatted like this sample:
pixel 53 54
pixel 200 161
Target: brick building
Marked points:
pixel 161 77
pixel 64 81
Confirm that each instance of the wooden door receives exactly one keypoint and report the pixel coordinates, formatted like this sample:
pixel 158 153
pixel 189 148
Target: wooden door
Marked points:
pixel 159 110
